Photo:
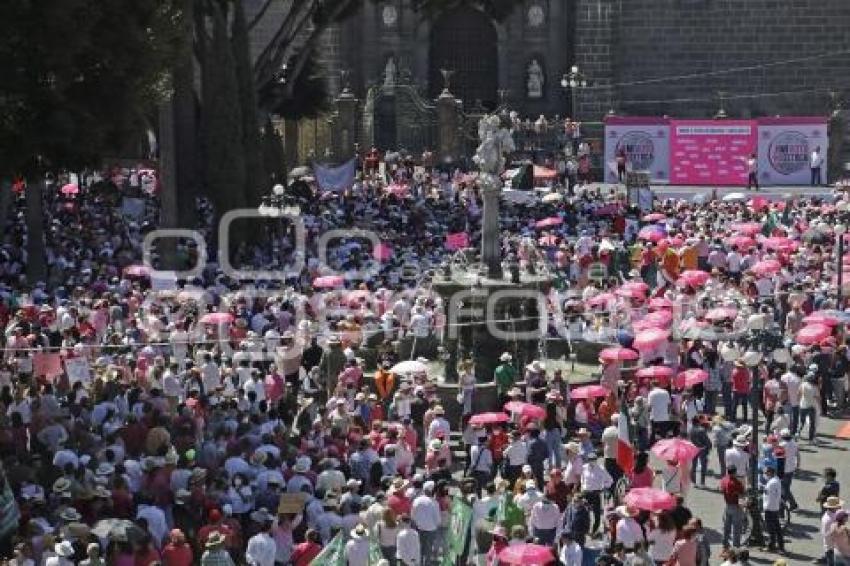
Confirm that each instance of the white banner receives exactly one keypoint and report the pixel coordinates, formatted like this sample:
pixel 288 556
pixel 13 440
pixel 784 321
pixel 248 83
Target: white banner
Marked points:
pixel 646 145
pixel 785 150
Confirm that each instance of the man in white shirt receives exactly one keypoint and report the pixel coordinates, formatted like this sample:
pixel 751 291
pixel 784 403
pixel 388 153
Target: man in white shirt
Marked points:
pixel 816 162
pixel 791 381
pixel 771 503
pixel 262 549
pixel 543 521
pixel 571 553
pixel 594 480
pixel 792 464
pixel 516 456
pixel 736 457
pixel 659 411
pixel 425 514
pixel 357 548
pixel 407 548
pixel 629 532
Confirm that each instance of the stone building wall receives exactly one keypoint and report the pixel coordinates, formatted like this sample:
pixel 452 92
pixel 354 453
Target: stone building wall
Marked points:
pixel 649 39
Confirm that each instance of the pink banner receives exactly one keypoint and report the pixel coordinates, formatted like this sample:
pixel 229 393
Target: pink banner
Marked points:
pixel 457 241
pixel 46 364
pixel 382 252
pixel 711 152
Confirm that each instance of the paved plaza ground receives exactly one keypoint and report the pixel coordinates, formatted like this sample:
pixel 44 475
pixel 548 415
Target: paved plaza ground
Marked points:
pixel 803 542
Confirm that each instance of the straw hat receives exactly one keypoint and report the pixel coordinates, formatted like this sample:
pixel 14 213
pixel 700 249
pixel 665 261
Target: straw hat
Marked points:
pixel 505 357
pixel 64 549
pixel 833 502
pixel 359 532
pixel 215 540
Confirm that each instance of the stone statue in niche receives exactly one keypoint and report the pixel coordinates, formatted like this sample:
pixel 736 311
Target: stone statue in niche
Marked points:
pixel 536 80
pixel 390 72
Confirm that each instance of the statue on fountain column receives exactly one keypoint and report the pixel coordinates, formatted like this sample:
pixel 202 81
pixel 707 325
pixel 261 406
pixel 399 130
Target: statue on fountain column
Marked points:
pixel 496 141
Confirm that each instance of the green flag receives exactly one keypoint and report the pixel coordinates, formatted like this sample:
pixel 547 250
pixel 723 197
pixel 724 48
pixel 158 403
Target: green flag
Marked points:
pixel 457 532
pixel 333 554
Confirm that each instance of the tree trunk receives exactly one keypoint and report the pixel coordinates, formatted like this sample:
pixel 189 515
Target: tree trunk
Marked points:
pixel 5 200
pixel 36 253
pixel 256 180
pixel 187 162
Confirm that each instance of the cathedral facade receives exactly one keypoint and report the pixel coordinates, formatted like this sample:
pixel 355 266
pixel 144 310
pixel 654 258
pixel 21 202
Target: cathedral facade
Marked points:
pixel 654 57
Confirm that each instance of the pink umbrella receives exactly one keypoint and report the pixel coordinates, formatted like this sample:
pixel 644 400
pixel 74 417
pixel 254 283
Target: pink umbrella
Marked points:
pixel 654 217
pixel 488 418
pixel 526 555
pixel 813 334
pixel 660 303
pixel 630 293
pixel 549 222
pixel 643 324
pixel 678 449
pixel 589 391
pixel 659 319
pixel 525 409
pixel 400 191
pixel 637 285
pixel 217 318
pixel 689 378
pixel 674 241
pixel 742 242
pixel 721 313
pixel 650 499
pixel 747 228
pixel 649 339
pixel 69 189
pixel 822 319
pixel 662 373
pixel 652 233
pixel 601 300
pixel 328 282
pixel 137 270
pixel 354 298
pixel 693 278
pixel 618 354
pixel 548 241
pixel 758 203
pixel 766 267
pixel 780 243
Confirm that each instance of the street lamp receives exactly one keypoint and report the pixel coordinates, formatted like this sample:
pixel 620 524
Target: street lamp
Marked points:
pixel 840 230
pixel 574 80
pixel 761 343
pixel 278 204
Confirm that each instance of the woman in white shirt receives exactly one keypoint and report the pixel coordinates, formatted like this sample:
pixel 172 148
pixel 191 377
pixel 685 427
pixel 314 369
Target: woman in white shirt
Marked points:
pixel 662 538
pixel 387 531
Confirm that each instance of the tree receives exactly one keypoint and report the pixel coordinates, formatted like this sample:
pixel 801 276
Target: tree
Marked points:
pixel 256 180
pixel 221 121
pixel 79 76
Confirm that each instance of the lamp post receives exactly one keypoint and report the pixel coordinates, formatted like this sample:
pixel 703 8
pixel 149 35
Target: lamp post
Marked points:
pixel 279 204
pixel 761 344
pixel 574 80
pixel 840 230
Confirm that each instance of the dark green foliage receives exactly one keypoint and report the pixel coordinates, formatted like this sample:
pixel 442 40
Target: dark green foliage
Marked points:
pixel 79 76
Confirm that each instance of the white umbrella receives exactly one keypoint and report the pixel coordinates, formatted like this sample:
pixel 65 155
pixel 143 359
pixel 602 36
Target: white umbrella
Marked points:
pixel 735 197
pixel 553 197
pixel 410 366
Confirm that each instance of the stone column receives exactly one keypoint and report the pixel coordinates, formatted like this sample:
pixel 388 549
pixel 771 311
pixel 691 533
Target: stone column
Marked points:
pixel 345 134
pixel 491 248
pixel 448 126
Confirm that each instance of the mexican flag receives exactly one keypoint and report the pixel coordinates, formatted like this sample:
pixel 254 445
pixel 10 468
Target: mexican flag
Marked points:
pixel 625 450
pixel 334 553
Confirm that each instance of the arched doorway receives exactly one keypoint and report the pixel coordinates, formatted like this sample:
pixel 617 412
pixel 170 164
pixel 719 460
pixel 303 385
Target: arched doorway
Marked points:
pixel 464 40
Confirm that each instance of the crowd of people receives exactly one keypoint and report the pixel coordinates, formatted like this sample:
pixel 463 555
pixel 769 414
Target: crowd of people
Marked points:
pixel 215 420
